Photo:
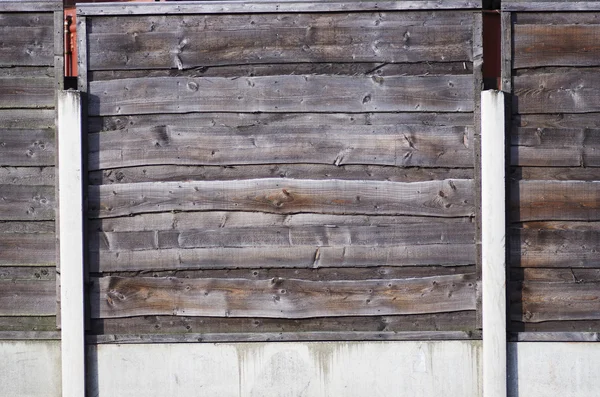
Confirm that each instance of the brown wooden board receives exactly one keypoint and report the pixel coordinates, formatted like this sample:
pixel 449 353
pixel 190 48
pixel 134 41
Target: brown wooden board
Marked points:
pixel 306 93
pixel 27 298
pixel 27 248
pixel 113 297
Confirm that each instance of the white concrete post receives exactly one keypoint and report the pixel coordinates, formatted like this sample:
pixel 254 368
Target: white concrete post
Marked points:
pixel 493 244
pixel 71 254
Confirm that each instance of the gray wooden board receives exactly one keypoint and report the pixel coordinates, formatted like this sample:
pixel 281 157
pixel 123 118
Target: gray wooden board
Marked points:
pixel 27 298
pixel 113 297
pixel 506 50
pixel 555 200
pixel 26 227
pixel 21 202
pixel 29 176
pixel 19 273
pixel 29 335
pixel 570 91
pixel 22 92
pixel 426 233
pixel 27 118
pixel 555 301
pixel 235 7
pixel 110 123
pixel 27 147
pixel 364 68
pixel 556 45
pixel 30 5
pixel 563 275
pixel 303 93
pixel 447 198
pixel 283 257
pixel 28 45
pixel 424 146
pixel 184 42
pixel 555 326
pixel 556 337
pixel 27 248
pixel 557 18
pixel 554 248
pixel 550 5
pixel 27 323
pixel 557 120
pixel 166 173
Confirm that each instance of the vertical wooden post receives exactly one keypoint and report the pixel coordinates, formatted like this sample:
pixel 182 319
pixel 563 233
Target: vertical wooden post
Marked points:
pixel 71 251
pixel 493 234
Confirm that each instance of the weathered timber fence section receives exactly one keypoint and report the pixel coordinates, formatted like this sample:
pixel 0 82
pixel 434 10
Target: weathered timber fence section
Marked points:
pixel 31 63
pixel 552 56
pixel 282 171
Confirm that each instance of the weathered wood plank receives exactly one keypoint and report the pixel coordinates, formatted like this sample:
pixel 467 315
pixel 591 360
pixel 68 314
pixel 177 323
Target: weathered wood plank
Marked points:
pixel 222 219
pixel 555 326
pixel 27 298
pixel 17 273
pixel 98 124
pixel 423 146
pixel 557 337
pixel 27 248
pixel 166 173
pixel 448 198
pixel 539 301
pixel 282 337
pixel 555 173
pixel 27 227
pixel 451 321
pixel 236 7
pixel 30 5
pixel 555 200
pixel 20 202
pixel 554 248
pixel 362 37
pixel 563 275
pixel 29 323
pixel 30 176
pixel 34 92
pixel 556 45
pixel 557 18
pixel 283 257
pixel 550 5
pixel 307 93
pixel 28 45
pixel 558 120
pixel 30 335
pixel 27 147
pixel 27 118
pixel 565 92
pixel 114 297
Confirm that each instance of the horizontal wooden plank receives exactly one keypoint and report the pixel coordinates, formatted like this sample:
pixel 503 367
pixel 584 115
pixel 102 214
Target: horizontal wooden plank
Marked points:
pixel 34 92
pixel 27 227
pixel 27 298
pixel 26 19
pixel 563 275
pixel 29 323
pixel 171 173
pixel 423 146
pixel 555 326
pixel 539 301
pixel 114 297
pixel 110 123
pixel 30 5
pixel 558 18
pixel 555 200
pixel 27 118
pixel 162 325
pixel 277 69
pixel 27 248
pixel 565 92
pixel 556 45
pixel 27 147
pixel 262 39
pixel 223 219
pixel 282 257
pixel 28 203
pixel 306 93
pixel 556 337
pixel 28 45
pixel 427 233
pixel 564 147
pixel 27 71
pixel 236 7
pixel 448 198
pixel 30 335
pixel 557 120
pixel 311 336
pixel 14 273
pixel 555 173
pixel 554 248
pixel 29 176
pixel 550 5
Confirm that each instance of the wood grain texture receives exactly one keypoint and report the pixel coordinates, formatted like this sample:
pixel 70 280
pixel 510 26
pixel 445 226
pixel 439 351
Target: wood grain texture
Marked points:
pixel 27 118
pixel 448 198
pixel 557 18
pixel 555 301
pixel 27 298
pixel 27 176
pixel 21 202
pixel 556 45
pixel 28 323
pixel 114 297
pixel 555 200
pixel 550 5
pixel 20 273
pixel 557 120
pixel 565 92
pixel 421 146
pixel 27 248
pixel 29 45
pixel 172 173
pixel 563 275
pixel 27 147
pixel 31 92
pixel 282 257
pixel 183 42
pixel 305 93
pixel 555 173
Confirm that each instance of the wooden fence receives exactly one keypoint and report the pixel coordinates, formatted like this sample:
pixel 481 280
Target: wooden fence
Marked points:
pixel 552 64
pixel 287 171
pixel 31 72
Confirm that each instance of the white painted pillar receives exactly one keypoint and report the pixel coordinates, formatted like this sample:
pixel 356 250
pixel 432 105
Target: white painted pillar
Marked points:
pixel 71 254
pixel 493 244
